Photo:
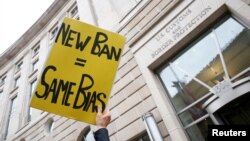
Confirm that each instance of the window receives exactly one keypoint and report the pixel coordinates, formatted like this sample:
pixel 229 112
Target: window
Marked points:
pixel 143 137
pixel 199 131
pixel 17 82
pixel 32 87
pixel 235 47
pixel 33 113
pixel 13 107
pixel 73 12
pixel 86 135
pixel 19 65
pixel 52 34
pixel 49 125
pixel 1 94
pixel 89 136
pixel 35 50
pixel 2 79
pixel 12 124
pixel 190 75
pixel 35 65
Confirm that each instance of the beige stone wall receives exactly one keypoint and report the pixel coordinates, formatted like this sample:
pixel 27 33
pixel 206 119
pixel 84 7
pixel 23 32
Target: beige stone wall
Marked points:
pixel 63 129
pixel 130 99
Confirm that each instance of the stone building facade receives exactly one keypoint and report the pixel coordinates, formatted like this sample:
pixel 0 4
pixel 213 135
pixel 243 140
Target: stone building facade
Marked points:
pixel 185 61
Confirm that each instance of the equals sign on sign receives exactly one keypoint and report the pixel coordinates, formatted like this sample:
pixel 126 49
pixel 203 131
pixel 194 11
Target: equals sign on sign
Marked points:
pixel 80 62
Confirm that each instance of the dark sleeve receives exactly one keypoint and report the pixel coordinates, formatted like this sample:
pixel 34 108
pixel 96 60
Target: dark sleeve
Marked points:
pixel 101 135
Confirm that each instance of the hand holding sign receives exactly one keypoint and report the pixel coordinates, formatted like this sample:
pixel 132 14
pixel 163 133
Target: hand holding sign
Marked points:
pixel 102 119
pixel 79 72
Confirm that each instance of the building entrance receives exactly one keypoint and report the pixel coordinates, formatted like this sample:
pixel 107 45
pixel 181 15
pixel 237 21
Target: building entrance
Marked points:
pixel 208 82
pixel 236 112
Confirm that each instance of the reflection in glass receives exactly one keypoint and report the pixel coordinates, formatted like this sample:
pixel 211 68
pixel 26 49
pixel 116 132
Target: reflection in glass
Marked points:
pixel 201 60
pixel 189 76
pixel 193 113
pixel 182 89
pixel 199 131
pixel 234 40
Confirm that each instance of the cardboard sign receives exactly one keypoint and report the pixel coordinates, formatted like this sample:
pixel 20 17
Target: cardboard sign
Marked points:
pixel 79 72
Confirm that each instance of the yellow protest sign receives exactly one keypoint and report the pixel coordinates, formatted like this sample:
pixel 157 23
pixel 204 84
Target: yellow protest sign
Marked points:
pixel 79 71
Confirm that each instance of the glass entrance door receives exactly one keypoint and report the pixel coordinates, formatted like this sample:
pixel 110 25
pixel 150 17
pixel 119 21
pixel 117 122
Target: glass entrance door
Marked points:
pixel 210 66
pixel 236 112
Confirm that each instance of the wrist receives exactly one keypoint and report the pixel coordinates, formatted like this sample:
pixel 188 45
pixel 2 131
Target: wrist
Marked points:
pixel 99 127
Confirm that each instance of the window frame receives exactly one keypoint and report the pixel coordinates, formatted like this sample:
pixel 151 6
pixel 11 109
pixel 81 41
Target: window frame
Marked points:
pixel 74 8
pixel 19 65
pixel 1 94
pixel 142 136
pixel 178 53
pixel 31 90
pixel 36 49
pixel 35 65
pixel 13 103
pixel 2 79
pixel 17 81
pixel 52 33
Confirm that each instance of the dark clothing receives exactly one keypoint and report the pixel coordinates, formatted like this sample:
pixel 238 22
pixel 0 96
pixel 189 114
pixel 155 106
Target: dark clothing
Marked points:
pixel 101 135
